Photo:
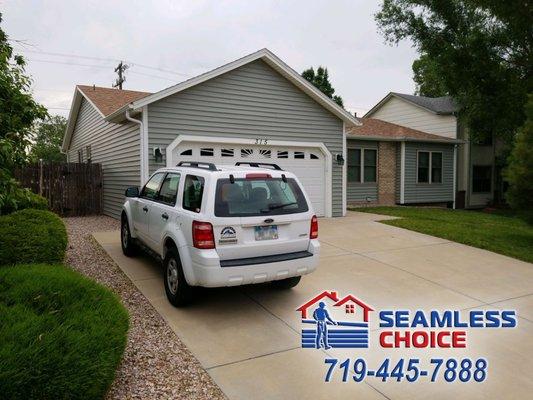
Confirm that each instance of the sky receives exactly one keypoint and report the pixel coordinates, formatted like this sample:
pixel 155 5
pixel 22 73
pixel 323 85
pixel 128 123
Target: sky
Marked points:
pixel 165 42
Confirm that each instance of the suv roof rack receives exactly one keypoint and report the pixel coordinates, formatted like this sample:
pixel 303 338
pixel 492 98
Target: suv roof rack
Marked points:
pixel 198 164
pixel 259 165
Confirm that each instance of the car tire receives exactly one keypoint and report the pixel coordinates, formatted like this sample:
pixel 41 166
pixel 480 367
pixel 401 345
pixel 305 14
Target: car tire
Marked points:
pixel 287 283
pixel 129 247
pixel 178 291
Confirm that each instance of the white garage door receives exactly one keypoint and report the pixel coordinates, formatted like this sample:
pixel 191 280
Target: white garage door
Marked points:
pixel 307 163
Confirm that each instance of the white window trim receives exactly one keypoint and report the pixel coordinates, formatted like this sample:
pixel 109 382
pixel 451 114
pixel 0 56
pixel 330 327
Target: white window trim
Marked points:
pixel 362 166
pixel 328 195
pixel 429 182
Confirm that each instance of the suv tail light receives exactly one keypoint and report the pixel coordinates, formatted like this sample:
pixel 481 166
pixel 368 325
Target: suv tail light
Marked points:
pixel 202 235
pixel 313 233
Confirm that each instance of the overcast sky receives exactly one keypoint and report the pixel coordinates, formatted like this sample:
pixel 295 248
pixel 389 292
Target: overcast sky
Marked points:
pixel 181 39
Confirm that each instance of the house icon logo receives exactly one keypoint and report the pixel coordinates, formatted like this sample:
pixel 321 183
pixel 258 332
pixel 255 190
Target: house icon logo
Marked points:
pixel 331 321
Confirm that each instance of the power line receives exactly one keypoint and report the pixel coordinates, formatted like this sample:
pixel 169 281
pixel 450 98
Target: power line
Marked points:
pixel 153 76
pixel 67 63
pixel 54 54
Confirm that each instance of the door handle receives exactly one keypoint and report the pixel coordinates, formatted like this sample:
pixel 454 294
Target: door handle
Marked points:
pixel 145 209
pixel 164 216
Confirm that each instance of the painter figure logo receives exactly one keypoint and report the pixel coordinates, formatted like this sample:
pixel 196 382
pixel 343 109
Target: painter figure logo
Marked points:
pixel 337 322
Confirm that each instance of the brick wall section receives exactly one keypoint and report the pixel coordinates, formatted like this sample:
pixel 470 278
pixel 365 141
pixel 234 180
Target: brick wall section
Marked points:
pixel 387 173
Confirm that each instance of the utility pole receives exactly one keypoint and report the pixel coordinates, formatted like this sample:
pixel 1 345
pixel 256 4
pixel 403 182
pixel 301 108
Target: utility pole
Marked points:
pixel 120 69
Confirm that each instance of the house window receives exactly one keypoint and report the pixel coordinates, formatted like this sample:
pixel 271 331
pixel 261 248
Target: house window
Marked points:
pixel 481 179
pixel 80 155
pixel 369 165
pixel 354 165
pixel 362 165
pixel 429 167
pixel 350 308
pixel 89 153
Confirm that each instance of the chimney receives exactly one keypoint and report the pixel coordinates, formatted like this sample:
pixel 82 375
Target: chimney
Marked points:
pixel 355 114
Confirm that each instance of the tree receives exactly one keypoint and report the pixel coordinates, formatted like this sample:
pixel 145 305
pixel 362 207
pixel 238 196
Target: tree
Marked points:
pixel 18 109
pixel 427 78
pixel 478 51
pixel 320 80
pixel 47 140
pixel 519 172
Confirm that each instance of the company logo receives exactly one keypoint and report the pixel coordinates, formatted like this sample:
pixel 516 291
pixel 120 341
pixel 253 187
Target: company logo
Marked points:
pixel 228 235
pixel 331 321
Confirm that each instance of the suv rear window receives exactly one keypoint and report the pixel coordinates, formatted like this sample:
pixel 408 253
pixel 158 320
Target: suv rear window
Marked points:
pixel 258 197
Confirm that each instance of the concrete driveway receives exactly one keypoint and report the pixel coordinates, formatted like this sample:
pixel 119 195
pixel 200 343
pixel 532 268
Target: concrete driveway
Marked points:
pixel 248 338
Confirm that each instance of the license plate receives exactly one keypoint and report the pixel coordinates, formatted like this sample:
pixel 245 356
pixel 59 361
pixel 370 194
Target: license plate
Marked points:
pixel 266 232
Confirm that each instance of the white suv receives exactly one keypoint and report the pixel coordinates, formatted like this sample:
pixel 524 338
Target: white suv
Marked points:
pixel 222 226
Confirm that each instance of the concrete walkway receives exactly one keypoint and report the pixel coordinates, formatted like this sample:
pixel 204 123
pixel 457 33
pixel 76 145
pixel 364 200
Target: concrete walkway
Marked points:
pixel 248 338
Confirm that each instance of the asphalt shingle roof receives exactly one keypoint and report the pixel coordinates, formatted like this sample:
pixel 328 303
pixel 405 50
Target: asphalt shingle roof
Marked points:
pixel 439 105
pixel 108 100
pixel 376 128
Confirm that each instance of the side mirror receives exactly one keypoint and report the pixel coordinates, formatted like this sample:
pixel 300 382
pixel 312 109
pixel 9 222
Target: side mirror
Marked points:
pixel 132 191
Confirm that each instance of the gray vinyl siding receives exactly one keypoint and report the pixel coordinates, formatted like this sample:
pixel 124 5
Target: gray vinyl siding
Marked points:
pixel 115 146
pixel 252 101
pixel 362 192
pixel 423 192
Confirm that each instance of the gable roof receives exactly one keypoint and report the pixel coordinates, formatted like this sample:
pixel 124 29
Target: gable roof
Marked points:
pixel 267 56
pixel 377 129
pixel 444 105
pixel 107 100
pixel 104 100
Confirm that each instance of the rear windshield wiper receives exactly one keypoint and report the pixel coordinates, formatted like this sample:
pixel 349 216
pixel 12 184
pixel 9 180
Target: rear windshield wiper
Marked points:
pixel 276 206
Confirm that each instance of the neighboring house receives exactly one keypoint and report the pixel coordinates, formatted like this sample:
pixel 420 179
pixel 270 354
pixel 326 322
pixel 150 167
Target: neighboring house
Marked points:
pixel 390 164
pixel 477 176
pixel 255 109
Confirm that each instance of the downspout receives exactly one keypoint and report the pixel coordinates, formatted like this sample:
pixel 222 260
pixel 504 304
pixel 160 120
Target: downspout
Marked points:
pixel 141 141
pixel 454 174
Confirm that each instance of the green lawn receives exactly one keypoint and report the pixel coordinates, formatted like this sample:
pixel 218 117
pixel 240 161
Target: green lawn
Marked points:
pixel 499 232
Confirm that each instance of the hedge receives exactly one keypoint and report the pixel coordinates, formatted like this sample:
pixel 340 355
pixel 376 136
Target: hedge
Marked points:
pixel 62 335
pixel 32 236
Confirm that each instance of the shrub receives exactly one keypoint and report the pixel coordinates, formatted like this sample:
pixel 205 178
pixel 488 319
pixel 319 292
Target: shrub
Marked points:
pixel 32 236
pixel 12 196
pixel 62 335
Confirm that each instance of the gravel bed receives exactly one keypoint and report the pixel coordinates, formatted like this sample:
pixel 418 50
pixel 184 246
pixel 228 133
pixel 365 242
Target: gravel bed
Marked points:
pixel 156 364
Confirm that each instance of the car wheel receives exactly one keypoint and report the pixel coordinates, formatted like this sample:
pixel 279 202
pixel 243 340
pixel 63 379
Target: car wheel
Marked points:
pixel 129 247
pixel 178 291
pixel 287 283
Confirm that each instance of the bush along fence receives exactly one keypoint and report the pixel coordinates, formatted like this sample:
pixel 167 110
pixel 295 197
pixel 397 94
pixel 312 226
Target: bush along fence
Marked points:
pixel 72 189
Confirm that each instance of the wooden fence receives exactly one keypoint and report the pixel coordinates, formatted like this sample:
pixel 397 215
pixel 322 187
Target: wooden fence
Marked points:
pixel 72 189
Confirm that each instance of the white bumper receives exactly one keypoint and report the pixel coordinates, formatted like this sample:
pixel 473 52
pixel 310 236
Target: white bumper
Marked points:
pixel 207 271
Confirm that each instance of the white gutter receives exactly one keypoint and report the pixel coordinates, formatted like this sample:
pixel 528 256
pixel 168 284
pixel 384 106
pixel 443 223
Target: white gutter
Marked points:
pixel 141 141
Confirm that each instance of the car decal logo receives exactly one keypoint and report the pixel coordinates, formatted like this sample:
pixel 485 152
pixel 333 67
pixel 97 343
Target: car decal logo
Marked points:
pixel 228 235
